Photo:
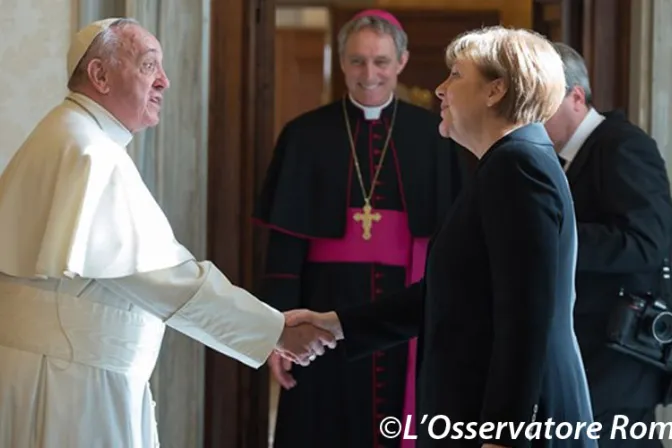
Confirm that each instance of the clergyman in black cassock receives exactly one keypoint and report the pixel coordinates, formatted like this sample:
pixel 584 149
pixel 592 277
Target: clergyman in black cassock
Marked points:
pixel 351 197
pixel 317 256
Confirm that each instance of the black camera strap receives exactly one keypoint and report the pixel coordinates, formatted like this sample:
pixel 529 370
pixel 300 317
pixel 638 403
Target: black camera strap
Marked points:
pixel 666 283
pixel 666 297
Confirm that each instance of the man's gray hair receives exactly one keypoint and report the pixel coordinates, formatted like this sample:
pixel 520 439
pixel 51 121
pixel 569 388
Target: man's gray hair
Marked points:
pixel 576 72
pixel 104 46
pixel 399 36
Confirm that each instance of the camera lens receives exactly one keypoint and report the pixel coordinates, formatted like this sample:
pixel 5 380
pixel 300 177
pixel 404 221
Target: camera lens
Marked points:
pixel 662 327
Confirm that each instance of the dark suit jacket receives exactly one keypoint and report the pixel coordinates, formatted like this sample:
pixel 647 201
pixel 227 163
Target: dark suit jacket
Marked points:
pixel 624 212
pixel 494 313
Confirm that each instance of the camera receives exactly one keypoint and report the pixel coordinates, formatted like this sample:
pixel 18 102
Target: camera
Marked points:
pixel 641 326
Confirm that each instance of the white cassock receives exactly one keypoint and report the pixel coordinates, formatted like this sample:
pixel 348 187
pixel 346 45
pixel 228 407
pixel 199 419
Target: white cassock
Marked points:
pixel 90 275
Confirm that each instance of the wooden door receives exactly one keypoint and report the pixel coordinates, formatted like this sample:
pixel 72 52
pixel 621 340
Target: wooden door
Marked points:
pixel 240 141
pixel 429 32
pixel 299 72
pixel 600 31
pixel 606 49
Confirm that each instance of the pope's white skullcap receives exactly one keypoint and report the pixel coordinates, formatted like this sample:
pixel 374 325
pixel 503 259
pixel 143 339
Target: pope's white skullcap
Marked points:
pixel 82 41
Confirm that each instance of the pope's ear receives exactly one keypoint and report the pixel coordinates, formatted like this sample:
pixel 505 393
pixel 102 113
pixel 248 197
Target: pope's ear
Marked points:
pixel 97 75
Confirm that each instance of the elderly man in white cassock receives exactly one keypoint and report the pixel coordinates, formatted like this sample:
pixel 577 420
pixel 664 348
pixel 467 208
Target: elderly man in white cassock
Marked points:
pixel 90 272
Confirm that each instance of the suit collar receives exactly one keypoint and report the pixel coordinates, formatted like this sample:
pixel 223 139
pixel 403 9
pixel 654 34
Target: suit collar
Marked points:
pixel 584 151
pixel 533 133
pixel 589 123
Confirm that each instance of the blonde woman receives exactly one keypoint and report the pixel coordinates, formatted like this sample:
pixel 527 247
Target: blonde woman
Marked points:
pixel 494 311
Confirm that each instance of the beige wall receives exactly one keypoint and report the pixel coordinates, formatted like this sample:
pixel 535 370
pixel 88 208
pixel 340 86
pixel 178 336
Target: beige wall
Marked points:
pixel 33 47
pixel 650 67
pixel 172 158
pixel 651 90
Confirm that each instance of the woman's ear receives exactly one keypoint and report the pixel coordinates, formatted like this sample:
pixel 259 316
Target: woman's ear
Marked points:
pixel 496 91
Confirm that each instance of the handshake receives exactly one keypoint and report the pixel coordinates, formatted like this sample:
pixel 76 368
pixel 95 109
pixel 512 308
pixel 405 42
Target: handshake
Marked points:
pixel 304 338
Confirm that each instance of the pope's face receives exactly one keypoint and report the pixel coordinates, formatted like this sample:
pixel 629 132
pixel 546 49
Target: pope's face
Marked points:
pixel 137 80
pixel 371 66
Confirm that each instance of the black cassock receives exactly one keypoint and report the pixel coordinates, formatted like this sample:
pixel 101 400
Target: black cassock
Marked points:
pixel 318 259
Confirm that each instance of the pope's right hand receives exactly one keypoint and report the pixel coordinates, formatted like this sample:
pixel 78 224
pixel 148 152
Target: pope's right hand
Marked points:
pixel 302 343
pixel 280 368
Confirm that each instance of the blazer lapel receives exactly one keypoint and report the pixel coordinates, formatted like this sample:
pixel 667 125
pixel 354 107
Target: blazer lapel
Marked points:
pixel 579 161
pixel 583 154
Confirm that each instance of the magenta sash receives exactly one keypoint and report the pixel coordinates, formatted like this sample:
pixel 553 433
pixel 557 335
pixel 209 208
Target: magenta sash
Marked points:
pixel 391 244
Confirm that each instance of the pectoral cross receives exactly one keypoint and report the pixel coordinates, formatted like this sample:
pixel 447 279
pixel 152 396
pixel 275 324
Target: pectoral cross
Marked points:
pixel 367 218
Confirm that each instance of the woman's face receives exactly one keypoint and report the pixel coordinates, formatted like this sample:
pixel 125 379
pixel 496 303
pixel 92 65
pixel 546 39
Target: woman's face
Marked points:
pixel 464 102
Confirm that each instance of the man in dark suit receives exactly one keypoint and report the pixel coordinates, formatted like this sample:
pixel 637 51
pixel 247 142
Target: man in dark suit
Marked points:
pixel 624 212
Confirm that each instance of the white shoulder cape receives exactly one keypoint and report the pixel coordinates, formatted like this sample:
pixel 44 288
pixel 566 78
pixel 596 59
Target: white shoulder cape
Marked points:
pixel 73 203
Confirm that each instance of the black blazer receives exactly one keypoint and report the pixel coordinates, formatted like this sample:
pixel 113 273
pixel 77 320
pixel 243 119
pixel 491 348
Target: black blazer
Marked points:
pixel 494 312
pixel 622 200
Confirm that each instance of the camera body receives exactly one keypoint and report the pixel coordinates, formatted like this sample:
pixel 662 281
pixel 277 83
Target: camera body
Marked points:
pixel 641 326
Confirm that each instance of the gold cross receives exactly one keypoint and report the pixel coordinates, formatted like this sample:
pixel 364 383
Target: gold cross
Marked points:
pixel 367 219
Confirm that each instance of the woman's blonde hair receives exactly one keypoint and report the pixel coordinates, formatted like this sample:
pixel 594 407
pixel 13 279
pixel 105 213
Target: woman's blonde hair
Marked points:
pixel 530 67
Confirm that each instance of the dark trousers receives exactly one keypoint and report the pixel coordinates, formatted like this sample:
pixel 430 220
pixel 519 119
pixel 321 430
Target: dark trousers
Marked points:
pixel 625 439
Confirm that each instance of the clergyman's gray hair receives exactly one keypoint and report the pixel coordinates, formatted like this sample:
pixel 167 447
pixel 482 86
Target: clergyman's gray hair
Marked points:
pixel 104 47
pixel 377 24
pixel 576 72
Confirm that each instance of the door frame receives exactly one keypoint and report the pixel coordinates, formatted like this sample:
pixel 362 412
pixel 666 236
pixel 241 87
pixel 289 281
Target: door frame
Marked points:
pixel 240 143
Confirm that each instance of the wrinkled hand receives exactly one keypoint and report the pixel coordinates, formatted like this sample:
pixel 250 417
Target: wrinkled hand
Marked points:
pixel 327 321
pixel 280 368
pixel 281 361
pixel 301 343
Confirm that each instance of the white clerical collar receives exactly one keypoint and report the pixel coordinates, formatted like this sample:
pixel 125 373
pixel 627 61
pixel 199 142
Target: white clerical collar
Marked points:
pixel 372 112
pixel 589 123
pixel 103 118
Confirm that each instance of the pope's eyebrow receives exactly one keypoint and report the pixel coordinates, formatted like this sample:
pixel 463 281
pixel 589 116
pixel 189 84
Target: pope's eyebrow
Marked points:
pixel 146 52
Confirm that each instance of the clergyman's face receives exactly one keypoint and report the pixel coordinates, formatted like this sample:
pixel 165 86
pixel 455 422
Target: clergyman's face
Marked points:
pixel 137 80
pixel 371 66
